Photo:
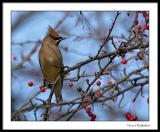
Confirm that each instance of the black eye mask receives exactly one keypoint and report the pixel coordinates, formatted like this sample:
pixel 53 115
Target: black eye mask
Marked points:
pixel 59 40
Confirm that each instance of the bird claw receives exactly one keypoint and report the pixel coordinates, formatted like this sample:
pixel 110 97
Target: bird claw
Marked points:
pixel 59 101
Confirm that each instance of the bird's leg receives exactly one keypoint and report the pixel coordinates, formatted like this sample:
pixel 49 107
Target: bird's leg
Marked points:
pixel 44 83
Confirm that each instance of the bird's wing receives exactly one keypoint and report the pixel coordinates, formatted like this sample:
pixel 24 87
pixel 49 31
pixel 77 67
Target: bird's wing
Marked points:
pixel 39 58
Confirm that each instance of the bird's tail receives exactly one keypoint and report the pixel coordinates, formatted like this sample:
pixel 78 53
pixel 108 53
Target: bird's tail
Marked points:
pixel 58 91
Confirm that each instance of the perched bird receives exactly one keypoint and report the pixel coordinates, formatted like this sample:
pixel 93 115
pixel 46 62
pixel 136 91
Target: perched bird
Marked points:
pixel 51 62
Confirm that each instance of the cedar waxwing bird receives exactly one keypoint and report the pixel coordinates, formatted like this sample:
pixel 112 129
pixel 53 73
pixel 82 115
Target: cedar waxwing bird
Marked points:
pixel 51 62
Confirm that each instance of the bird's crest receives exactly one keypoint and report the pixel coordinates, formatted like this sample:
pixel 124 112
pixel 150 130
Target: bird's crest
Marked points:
pixel 52 32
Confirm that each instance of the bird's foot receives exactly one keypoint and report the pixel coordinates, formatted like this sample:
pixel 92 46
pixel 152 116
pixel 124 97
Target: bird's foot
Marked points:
pixel 59 101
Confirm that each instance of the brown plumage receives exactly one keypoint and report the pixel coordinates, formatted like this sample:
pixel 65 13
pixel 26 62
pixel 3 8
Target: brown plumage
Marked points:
pixel 51 61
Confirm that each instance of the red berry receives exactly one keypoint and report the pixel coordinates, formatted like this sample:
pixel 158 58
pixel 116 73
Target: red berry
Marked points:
pixel 136 22
pixel 139 28
pixel 90 114
pixel 98 83
pixel 43 89
pixel 127 115
pixel 97 93
pixel 124 61
pixel 88 109
pixel 109 83
pixel 146 27
pixel 30 84
pixel 131 117
pixel 14 57
pixel 66 48
pixel 93 116
pixel 70 84
pixel 135 118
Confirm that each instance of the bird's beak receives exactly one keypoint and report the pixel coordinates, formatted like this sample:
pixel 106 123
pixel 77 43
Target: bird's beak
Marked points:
pixel 59 40
pixel 62 38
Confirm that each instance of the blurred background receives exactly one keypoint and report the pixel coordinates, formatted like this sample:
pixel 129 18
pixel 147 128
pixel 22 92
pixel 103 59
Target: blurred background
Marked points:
pixel 85 32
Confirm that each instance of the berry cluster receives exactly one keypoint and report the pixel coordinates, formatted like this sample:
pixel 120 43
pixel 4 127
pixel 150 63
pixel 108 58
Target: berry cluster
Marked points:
pixel 131 117
pixel 90 114
pixel 139 27
pixel 31 84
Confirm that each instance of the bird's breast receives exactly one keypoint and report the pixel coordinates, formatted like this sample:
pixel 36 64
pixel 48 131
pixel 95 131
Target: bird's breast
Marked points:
pixel 50 59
